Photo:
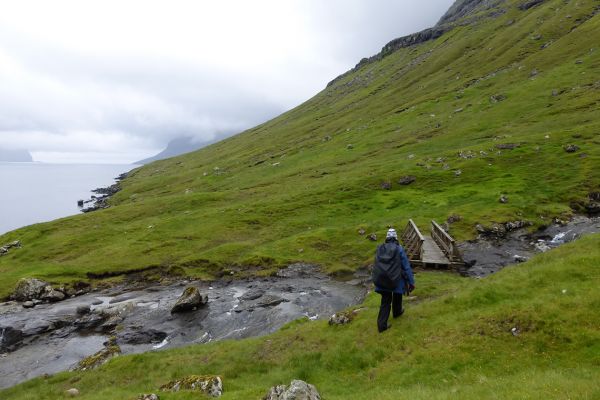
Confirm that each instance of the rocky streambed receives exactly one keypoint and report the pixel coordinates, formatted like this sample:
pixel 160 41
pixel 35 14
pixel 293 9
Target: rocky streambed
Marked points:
pixel 495 250
pixel 56 336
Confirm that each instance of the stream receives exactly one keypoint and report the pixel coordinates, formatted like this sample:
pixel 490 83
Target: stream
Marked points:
pixel 54 337
pixel 488 256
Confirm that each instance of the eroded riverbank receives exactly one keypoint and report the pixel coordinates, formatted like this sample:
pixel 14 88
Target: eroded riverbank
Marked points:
pixel 54 337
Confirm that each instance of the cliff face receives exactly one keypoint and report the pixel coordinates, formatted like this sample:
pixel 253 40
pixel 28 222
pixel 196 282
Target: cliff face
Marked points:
pixel 7 155
pixel 462 12
pixel 464 8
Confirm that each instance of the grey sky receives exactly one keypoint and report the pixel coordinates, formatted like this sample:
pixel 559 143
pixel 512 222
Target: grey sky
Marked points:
pixel 113 81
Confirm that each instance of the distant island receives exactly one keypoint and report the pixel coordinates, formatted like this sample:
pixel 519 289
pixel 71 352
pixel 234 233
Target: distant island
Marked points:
pixel 12 155
pixel 176 147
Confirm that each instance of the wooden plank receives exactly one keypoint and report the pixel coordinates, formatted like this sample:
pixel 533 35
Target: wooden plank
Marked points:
pixel 432 254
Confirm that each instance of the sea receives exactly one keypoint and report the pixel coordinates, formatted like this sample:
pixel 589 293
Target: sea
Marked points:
pixel 38 192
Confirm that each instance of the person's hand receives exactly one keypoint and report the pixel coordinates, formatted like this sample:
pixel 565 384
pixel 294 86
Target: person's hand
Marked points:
pixel 411 287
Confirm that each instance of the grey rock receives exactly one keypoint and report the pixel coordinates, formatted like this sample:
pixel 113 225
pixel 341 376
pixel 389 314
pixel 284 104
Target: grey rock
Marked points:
pixel 29 289
pixel 82 310
pixel 507 146
pixel 190 299
pixel 263 302
pixel 252 294
pixel 361 232
pixel 52 295
pixel 503 199
pixel 73 392
pixel 534 72
pixel 10 338
pixel 210 385
pixel 140 336
pixel 372 237
pixel 542 247
pixel 297 390
pixel 453 218
pixel 571 148
pixel 496 98
pixel 519 259
pixel 28 304
pixel 386 185
pixel 407 180
pixel 150 396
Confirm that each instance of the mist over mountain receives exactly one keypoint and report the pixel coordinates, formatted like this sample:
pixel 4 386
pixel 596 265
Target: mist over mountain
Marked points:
pixel 18 155
pixel 177 147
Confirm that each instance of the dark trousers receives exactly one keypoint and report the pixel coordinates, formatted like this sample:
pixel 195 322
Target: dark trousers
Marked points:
pixel 389 301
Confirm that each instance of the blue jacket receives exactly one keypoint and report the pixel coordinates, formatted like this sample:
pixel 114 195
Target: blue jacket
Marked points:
pixel 407 274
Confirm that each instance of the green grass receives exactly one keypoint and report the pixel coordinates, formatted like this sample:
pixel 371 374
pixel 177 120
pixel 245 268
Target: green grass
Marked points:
pixel 281 192
pixel 454 341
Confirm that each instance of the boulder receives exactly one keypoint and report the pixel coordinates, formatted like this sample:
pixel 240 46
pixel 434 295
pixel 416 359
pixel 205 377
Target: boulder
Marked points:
pixel 297 390
pixel 82 310
pixel 372 237
pixel 386 185
pixel 343 318
pixel 140 336
pixel 9 337
pixel 519 259
pixel 29 289
pixel 190 299
pixel 262 302
pixel 453 218
pixel 28 304
pixel 407 180
pixel 209 384
pixel 571 148
pixel 507 146
pixel 52 295
pixel 252 294
pixel 503 199
pixel 496 98
pixel 150 396
pixel 73 392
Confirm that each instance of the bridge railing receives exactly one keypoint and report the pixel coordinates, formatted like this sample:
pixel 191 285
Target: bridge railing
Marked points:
pixel 446 243
pixel 413 241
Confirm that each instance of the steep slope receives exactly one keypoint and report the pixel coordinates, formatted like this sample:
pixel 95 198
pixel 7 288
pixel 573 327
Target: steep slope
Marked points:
pixel 528 332
pixel 485 109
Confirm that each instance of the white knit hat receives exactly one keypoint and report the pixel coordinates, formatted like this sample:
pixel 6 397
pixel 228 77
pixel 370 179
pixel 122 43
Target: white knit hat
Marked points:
pixel 391 233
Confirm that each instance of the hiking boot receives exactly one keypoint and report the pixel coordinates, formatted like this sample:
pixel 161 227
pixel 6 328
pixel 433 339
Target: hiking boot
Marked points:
pixel 400 314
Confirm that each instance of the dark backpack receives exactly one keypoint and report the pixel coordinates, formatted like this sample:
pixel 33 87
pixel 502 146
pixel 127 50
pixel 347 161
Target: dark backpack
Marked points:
pixel 387 272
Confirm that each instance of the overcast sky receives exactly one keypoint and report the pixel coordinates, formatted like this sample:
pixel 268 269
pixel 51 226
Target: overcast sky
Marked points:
pixel 114 81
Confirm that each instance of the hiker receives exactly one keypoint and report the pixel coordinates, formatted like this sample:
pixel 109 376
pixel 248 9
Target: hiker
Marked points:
pixel 392 277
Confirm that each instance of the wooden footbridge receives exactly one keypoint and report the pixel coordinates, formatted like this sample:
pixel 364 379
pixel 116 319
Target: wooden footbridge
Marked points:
pixel 438 250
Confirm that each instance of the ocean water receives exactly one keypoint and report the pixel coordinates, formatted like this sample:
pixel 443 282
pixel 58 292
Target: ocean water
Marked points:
pixel 35 192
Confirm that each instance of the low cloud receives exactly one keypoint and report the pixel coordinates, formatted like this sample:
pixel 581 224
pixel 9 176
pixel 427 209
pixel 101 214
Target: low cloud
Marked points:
pixel 114 81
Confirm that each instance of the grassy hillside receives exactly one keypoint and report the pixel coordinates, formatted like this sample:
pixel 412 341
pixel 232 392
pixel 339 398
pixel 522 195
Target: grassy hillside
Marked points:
pixel 299 187
pixel 454 341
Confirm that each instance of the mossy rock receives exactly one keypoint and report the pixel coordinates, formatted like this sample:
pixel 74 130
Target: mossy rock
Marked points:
pixel 209 384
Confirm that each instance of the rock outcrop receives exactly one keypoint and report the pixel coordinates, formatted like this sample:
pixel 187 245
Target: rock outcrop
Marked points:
pixel 29 289
pixel 190 300
pixel 297 390
pixel 111 349
pixel 5 248
pixel 211 385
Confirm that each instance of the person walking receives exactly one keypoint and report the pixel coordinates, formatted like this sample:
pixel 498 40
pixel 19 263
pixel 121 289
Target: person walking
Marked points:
pixel 393 277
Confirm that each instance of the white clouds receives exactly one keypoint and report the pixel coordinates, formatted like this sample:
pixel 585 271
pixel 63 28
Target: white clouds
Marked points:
pixel 120 78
